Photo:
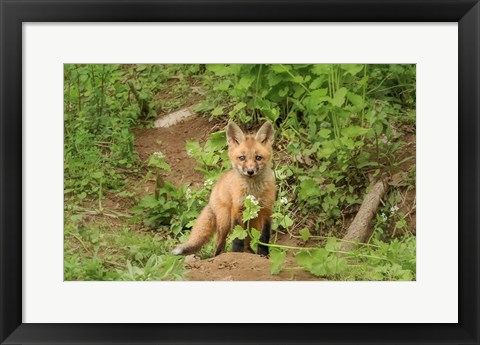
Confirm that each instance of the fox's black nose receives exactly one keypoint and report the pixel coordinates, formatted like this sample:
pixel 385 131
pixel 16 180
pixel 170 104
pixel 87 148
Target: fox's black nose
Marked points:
pixel 250 172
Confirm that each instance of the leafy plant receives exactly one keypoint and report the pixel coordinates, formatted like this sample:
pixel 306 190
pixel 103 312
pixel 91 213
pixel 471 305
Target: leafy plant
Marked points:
pixel 338 127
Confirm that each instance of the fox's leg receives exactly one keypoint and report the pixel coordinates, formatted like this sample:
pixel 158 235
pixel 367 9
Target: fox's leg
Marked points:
pixel 223 228
pixel 263 224
pixel 265 237
pixel 201 232
pixel 237 244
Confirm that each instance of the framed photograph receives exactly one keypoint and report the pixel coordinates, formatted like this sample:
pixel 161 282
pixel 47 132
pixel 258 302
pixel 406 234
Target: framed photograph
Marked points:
pixel 239 172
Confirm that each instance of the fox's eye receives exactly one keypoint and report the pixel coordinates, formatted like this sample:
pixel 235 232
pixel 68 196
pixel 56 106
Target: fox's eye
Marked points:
pixel 242 158
pixel 258 158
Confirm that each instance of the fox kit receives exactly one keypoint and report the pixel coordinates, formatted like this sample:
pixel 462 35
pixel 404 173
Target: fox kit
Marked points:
pixel 251 174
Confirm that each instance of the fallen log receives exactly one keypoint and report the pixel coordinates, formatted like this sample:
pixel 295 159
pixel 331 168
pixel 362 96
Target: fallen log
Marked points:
pixel 360 229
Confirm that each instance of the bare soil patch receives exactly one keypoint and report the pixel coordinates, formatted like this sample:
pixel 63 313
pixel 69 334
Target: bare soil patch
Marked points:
pixel 244 267
pixel 171 141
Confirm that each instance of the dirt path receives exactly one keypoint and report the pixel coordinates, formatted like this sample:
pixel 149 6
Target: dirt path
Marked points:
pixel 171 141
pixel 243 266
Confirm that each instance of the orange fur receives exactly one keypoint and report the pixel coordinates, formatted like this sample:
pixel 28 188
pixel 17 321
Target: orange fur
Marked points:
pixel 251 174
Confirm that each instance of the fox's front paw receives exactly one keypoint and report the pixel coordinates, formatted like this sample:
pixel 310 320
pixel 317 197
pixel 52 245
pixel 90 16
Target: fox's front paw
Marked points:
pixel 177 251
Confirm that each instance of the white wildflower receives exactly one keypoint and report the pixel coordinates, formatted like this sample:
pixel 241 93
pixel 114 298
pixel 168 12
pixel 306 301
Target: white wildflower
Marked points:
pixel 159 154
pixel 394 209
pixel 384 139
pixel 252 199
pixel 208 182
pixel 284 200
pixel 188 193
pixel 384 217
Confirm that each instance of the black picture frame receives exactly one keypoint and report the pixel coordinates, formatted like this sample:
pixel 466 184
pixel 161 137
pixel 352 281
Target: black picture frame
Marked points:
pixel 15 12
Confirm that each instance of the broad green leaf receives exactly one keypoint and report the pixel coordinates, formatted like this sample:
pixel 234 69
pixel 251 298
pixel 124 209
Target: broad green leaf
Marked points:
pixel 149 201
pixel 325 152
pixel 217 141
pixel 355 99
pixel 223 85
pixel 280 68
pixel 283 92
pixel 277 257
pixel 239 106
pixel 286 221
pixel 351 69
pixel 354 131
pixel 304 259
pixel 332 245
pixel 245 82
pixel 305 233
pixel 255 238
pixel 217 111
pixel 321 69
pixel 317 82
pixel 97 174
pixel 339 97
pixel 324 133
pixel 308 189
pixel 220 70
pixel 239 232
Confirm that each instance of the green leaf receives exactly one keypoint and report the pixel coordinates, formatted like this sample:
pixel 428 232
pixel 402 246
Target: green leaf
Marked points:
pixel 332 245
pixel 277 257
pixel 354 131
pixel 239 232
pixel 321 69
pixel 220 70
pixel 320 263
pixel 355 99
pixel 255 234
pixel 217 141
pixel 316 83
pixel 352 69
pixel 245 82
pixel 255 238
pixel 324 133
pixel 283 92
pixel 286 221
pixel 304 259
pixel 339 97
pixel 239 106
pixel 148 201
pixel 193 148
pixel 97 174
pixel 217 111
pixel 223 85
pixel 305 233
pixel 308 189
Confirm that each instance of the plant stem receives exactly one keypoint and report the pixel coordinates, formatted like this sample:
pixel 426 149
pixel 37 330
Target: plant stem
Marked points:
pixel 100 196
pixel 256 90
pixel 364 94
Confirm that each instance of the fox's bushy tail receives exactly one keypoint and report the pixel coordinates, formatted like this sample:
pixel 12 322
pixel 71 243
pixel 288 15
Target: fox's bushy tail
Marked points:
pixel 201 232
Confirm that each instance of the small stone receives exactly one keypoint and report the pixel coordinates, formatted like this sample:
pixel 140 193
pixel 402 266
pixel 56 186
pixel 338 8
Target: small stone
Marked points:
pixel 189 259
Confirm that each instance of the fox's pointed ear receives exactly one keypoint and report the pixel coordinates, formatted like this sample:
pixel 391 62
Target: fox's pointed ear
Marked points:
pixel 234 134
pixel 265 133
